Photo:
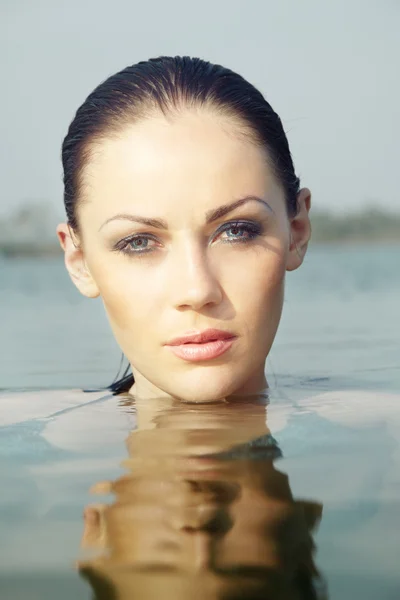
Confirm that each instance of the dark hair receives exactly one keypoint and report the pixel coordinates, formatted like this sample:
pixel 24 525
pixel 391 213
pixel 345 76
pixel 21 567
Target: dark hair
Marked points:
pixel 169 84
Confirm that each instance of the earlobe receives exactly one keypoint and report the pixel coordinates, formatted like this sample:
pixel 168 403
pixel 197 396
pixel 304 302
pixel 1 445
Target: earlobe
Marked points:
pixel 300 231
pixel 75 262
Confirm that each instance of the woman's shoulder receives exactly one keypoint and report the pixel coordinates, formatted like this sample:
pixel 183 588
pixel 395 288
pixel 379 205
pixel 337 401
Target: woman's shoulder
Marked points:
pixel 17 406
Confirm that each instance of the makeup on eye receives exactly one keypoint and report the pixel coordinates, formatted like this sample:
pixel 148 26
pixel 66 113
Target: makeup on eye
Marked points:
pixel 238 232
pixel 123 245
pixel 252 230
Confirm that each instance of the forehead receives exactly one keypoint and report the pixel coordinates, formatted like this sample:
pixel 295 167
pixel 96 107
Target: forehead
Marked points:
pixel 195 159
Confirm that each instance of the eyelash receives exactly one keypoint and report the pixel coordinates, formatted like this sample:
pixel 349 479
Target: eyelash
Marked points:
pixel 252 228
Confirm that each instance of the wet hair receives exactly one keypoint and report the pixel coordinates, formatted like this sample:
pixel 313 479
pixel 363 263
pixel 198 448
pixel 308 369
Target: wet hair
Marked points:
pixel 170 85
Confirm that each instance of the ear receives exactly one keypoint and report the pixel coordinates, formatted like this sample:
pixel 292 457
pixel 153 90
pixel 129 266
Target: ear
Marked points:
pixel 75 261
pixel 300 231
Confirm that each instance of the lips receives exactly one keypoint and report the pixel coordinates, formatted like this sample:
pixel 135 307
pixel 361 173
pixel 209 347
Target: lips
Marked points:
pixel 209 335
pixel 204 345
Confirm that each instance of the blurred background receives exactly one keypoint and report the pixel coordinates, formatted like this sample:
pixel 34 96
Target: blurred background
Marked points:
pixel 330 69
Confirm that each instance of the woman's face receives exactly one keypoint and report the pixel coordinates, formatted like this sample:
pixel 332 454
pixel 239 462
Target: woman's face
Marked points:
pixel 184 228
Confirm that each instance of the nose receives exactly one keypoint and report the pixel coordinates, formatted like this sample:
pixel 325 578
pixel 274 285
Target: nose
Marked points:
pixel 194 282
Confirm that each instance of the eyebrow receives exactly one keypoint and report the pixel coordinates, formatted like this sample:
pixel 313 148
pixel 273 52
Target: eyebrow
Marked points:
pixel 211 215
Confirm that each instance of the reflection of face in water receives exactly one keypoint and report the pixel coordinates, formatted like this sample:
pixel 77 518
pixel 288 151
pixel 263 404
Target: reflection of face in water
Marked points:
pixel 221 524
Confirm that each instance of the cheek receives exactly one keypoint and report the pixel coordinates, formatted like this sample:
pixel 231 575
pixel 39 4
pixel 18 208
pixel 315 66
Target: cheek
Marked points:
pixel 256 284
pixel 130 299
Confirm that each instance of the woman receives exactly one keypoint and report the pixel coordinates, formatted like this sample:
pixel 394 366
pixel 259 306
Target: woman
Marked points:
pixel 184 213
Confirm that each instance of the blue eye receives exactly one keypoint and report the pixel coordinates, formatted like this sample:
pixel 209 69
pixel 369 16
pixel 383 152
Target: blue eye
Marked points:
pixel 241 231
pixel 235 231
pixel 137 244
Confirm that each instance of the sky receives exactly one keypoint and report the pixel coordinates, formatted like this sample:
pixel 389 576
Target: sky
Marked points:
pixel 329 68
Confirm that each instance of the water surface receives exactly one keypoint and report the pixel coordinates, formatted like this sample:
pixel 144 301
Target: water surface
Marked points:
pixel 106 493
pixel 297 495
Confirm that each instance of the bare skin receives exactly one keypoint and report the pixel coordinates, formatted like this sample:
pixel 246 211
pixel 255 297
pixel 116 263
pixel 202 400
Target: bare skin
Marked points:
pixel 160 283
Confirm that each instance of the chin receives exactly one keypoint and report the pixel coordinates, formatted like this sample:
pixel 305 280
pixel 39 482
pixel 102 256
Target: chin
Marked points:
pixel 202 384
pixel 210 387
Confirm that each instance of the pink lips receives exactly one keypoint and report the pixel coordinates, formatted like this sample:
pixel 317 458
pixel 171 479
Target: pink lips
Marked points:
pixel 205 345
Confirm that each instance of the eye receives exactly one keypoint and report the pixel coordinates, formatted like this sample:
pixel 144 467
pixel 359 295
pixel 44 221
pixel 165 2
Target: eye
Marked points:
pixel 239 231
pixel 136 244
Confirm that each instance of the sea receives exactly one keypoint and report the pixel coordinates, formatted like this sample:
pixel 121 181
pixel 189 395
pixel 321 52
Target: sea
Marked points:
pixel 294 496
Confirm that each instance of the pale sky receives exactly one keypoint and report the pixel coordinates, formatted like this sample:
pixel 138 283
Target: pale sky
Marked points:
pixel 329 68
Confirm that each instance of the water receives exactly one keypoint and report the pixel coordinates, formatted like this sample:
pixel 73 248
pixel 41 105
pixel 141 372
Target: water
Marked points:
pixel 200 501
